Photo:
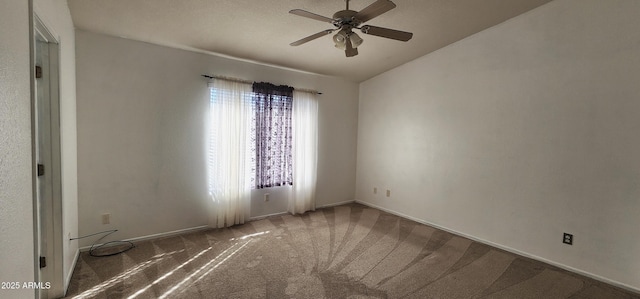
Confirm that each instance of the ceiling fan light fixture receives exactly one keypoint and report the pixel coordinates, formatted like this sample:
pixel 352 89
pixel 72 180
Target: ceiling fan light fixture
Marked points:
pixel 356 40
pixel 340 39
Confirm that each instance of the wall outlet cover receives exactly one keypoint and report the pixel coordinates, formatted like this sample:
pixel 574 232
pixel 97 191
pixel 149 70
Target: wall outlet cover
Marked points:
pixel 567 239
pixel 106 218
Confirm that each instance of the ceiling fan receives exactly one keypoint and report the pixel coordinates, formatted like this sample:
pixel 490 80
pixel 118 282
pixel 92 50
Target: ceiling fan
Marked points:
pixel 347 20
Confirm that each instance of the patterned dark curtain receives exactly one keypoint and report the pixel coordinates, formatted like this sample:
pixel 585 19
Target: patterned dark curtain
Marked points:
pixel 273 135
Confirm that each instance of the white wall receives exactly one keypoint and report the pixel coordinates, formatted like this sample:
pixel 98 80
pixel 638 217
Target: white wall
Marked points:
pixel 16 201
pixel 56 16
pixel 141 129
pixel 518 134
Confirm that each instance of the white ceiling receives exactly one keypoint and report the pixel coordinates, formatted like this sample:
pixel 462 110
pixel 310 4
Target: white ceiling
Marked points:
pixel 261 31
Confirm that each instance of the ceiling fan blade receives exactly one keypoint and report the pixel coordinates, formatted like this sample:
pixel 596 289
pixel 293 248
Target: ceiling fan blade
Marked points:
pixel 306 14
pixel 375 9
pixel 311 37
pixel 386 32
pixel 350 51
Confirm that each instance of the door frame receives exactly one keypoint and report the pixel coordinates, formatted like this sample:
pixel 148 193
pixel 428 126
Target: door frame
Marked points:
pixel 50 216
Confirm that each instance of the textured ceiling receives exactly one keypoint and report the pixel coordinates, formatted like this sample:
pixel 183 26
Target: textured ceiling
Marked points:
pixel 261 31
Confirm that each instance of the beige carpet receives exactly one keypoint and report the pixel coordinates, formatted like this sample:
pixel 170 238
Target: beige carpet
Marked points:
pixel 349 251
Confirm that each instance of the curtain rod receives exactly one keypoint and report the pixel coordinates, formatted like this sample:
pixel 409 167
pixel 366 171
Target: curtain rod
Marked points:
pixel 251 82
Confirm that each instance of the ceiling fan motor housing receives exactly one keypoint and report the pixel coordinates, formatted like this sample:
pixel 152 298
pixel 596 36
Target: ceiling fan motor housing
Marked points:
pixel 345 18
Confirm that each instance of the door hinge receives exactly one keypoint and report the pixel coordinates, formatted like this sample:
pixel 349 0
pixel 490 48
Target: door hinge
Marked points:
pixel 43 262
pixel 38 72
pixel 40 169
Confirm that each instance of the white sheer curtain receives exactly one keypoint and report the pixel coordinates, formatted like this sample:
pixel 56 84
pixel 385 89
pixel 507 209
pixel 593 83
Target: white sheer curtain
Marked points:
pixel 305 152
pixel 229 152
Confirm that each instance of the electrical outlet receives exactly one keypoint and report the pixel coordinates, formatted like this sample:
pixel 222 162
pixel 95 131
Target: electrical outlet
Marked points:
pixel 106 218
pixel 267 197
pixel 375 190
pixel 567 239
pixel 388 193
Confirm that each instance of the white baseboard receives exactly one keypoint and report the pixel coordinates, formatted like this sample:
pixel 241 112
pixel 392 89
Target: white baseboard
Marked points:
pixel 506 248
pixel 336 204
pixel 286 212
pixel 67 279
pixel 155 236
pixel 259 217
pixel 193 229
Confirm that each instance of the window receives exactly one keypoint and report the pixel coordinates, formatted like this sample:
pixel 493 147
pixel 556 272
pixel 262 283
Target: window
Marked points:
pixel 272 135
pixel 260 136
pixel 265 113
